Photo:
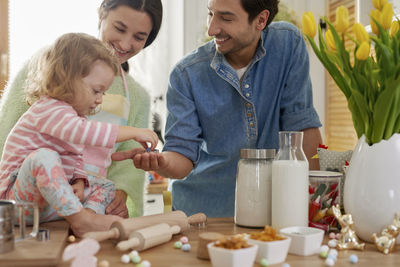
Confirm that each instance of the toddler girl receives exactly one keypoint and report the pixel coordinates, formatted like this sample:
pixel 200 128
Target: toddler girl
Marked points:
pixel 42 160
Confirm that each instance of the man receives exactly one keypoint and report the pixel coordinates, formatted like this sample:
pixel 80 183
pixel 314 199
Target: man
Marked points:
pixel 237 91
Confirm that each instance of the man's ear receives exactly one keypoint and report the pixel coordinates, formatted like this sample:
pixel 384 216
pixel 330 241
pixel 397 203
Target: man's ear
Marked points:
pixel 261 19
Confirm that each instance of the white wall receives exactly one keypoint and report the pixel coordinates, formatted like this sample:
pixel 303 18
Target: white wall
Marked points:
pixel 317 71
pixel 195 24
pixel 182 30
pixel 152 66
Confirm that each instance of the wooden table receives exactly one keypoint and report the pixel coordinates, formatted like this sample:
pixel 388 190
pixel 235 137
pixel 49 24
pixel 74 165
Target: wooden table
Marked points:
pixel 31 252
pixel 166 255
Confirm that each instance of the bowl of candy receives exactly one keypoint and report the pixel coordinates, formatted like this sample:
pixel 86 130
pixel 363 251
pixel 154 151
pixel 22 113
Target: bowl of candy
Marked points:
pixel 271 246
pixel 305 240
pixel 232 251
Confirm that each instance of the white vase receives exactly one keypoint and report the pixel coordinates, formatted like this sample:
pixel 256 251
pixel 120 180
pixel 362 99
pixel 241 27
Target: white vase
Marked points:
pixel 372 186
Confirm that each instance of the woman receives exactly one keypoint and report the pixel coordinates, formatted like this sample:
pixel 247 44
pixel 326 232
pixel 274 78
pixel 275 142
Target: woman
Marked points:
pixel 127 26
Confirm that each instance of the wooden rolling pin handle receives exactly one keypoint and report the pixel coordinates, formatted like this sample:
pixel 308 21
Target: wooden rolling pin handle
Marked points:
pixel 175 229
pixel 127 244
pixel 149 237
pixel 113 233
pixel 197 218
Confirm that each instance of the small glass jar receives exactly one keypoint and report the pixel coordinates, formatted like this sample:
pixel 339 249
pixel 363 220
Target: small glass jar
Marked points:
pixel 253 188
pixel 324 191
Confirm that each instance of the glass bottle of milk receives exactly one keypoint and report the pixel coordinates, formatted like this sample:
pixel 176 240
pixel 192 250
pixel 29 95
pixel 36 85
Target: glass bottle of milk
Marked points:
pixel 290 182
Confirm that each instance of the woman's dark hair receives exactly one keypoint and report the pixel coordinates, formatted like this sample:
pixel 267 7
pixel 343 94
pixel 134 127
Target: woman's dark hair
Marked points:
pixel 152 7
pixel 254 7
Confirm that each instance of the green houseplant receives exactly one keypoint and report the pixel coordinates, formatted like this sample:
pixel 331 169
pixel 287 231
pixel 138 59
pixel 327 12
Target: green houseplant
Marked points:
pixel 370 81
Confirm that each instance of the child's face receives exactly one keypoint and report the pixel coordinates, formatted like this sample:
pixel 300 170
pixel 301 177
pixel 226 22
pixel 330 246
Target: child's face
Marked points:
pixel 90 94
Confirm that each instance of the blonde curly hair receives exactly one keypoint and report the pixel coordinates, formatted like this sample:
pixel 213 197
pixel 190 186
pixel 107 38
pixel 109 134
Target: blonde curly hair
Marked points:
pixel 62 67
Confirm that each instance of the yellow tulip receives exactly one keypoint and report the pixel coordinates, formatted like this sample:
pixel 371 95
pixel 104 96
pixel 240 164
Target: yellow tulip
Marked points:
pixel 394 28
pixel 375 14
pixel 360 33
pixel 362 52
pixel 309 26
pixel 386 16
pixel 379 4
pixel 330 41
pixel 342 19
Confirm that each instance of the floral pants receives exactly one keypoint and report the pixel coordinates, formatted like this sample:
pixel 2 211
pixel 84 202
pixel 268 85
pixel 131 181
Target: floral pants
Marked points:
pixel 41 180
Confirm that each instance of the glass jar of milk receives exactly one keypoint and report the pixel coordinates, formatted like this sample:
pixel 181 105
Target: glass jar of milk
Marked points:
pixel 290 182
pixel 253 188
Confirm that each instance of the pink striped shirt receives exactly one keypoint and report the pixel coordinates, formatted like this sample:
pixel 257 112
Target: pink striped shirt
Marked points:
pixel 53 124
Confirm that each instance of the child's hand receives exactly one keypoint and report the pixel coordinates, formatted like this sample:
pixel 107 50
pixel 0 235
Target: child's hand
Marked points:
pixel 144 136
pixel 140 135
pixel 78 187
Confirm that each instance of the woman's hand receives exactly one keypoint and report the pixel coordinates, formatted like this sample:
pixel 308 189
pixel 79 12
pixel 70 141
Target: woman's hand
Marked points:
pixel 118 205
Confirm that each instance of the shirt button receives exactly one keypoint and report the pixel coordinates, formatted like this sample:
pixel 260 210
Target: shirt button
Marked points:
pixel 251 124
pixel 249 114
pixel 247 95
pixel 246 86
pixel 248 105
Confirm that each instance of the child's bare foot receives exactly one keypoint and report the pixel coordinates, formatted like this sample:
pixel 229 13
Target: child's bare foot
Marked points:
pixel 88 221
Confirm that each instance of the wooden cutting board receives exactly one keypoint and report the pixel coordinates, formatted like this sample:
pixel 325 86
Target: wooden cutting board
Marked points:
pixel 38 253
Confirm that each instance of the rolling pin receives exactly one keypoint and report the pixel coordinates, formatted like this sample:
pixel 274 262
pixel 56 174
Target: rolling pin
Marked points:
pixel 120 230
pixel 149 237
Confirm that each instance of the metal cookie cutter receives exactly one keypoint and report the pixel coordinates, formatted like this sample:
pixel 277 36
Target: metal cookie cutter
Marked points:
pixel 43 235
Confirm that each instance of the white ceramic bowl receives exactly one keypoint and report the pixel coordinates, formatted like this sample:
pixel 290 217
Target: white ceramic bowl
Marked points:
pixel 305 240
pixel 273 251
pixel 222 257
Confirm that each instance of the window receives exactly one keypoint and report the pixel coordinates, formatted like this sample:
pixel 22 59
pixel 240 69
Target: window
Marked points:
pixel 339 130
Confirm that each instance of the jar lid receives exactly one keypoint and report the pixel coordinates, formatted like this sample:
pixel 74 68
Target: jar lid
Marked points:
pixel 247 153
pixel 326 174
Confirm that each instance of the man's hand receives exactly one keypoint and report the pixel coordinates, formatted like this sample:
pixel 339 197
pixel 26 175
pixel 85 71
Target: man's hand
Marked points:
pixel 78 187
pixel 118 205
pixel 127 154
pixel 168 164
pixel 147 161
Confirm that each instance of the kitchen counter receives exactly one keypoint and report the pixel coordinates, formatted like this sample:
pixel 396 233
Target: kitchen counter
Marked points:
pixel 167 255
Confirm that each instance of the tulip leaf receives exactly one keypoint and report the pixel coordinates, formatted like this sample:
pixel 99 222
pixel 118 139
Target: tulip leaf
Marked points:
pixel 393 112
pixel 382 108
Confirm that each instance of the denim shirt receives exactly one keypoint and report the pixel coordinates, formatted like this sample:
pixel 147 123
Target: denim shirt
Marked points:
pixel 212 114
